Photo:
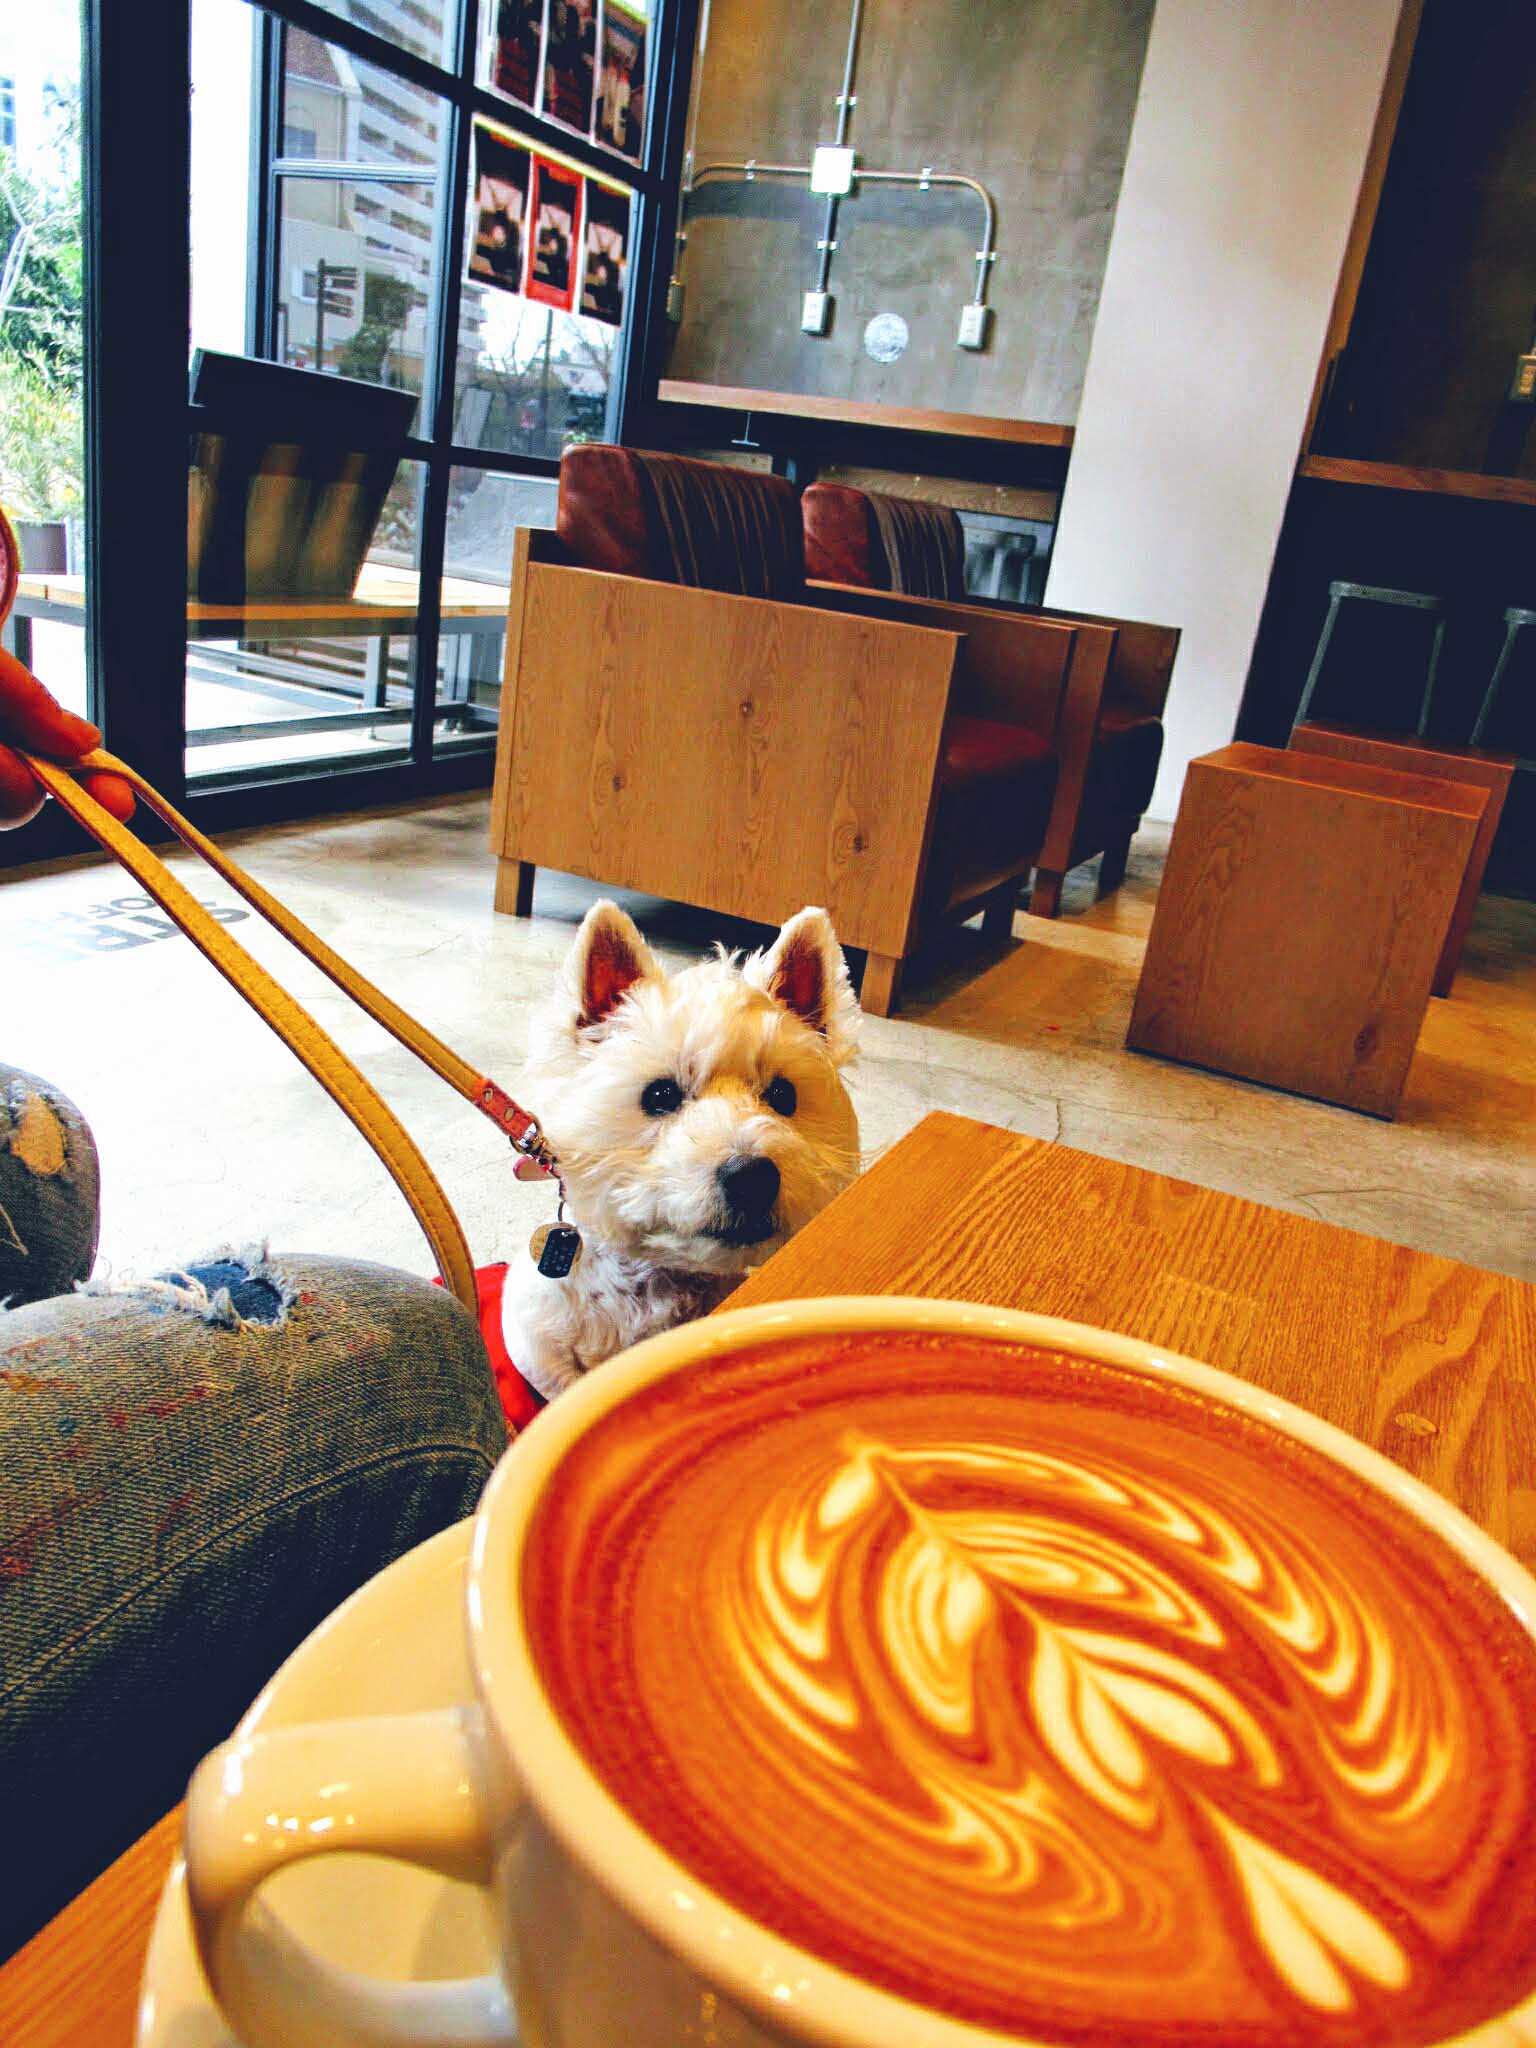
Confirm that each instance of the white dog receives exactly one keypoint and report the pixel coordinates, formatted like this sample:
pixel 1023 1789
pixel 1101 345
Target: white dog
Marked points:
pixel 698 1119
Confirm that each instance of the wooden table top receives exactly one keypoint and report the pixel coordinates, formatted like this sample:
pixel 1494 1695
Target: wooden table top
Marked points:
pixel 382 595
pixel 1431 1361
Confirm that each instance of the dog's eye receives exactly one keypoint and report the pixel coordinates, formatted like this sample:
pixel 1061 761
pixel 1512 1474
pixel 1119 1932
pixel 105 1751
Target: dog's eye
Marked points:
pixel 660 1098
pixel 780 1095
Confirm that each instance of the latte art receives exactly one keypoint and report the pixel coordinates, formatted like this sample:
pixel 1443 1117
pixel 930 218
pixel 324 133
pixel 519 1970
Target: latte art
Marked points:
pixel 1057 1699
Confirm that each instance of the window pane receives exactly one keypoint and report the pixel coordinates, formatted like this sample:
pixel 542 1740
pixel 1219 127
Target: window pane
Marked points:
pixel 531 379
pixel 312 682
pixel 42 432
pixel 484 512
pixel 355 248
pixel 424 27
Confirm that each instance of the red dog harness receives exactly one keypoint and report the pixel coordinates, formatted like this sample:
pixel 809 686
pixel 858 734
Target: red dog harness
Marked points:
pixel 520 1403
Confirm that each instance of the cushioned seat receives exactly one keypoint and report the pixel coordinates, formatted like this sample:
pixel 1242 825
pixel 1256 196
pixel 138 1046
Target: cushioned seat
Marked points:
pixel 675 519
pixel 983 749
pixel 1111 743
pixel 878 542
pixel 663 735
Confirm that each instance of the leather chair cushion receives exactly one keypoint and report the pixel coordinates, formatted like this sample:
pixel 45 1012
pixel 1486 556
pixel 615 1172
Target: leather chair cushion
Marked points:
pixel 982 749
pixel 675 519
pixel 908 545
pixel 841 545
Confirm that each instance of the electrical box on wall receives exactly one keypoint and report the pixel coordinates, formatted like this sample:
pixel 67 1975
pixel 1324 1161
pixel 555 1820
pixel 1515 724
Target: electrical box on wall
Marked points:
pixel 832 170
pixel 973 326
pixel 815 312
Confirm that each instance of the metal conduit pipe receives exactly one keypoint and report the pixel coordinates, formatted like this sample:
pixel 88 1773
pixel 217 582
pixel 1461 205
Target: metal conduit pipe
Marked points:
pixel 986 255
pixel 845 106
pixel 973 323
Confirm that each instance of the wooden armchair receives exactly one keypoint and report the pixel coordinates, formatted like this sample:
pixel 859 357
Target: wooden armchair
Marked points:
pixel 1110 739
pixel 755 752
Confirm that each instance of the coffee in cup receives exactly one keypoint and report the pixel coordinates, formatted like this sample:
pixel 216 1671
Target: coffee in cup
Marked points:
pixel 1051 1696
pixel 910 1674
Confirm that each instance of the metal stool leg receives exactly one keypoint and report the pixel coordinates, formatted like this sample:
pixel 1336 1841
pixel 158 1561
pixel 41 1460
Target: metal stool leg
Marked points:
pixel 1371 593
pixel 1436 647
pixel 1516 619
pixel 1309 688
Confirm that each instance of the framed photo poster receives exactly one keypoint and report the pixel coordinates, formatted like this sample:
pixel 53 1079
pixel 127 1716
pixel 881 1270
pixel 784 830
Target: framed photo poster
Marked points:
pixel 556 225
pixel 621 81
pixel 605 259
pixel 498 252
pixel 570 62
pixel 517 64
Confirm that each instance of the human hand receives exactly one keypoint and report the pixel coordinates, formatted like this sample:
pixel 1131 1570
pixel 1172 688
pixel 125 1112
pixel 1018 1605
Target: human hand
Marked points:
pixel 31 718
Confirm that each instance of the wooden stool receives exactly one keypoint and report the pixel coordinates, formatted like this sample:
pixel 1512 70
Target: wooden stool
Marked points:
pixel 1492 772
pixel 1302 914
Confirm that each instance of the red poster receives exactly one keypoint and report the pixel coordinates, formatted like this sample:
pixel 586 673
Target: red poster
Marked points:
pixel 556 215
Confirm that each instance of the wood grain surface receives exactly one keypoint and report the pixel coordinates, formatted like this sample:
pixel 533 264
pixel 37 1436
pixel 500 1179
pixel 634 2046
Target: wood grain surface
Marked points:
pixel 1397 476
pixel 864 412
pixel 747 756
pixel 1013 665
pixel 1300 921
pixel 1485 770
pixel 76 1984
pixel 1431 1361
pixel 381 595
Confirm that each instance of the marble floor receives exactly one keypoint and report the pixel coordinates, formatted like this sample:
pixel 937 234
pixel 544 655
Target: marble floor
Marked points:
pixel 211 1132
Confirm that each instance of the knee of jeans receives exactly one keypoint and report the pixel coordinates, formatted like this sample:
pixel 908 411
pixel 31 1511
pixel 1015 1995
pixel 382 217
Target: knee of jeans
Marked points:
pixel 233 1288
pixel 48 1190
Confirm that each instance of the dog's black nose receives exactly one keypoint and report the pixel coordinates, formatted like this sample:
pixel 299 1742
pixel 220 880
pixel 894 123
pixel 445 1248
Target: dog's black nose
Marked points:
pixel 750 1184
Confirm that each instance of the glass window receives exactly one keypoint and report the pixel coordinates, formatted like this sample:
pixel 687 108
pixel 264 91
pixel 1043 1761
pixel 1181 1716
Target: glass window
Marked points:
pixel 343 277
pixel 355 250
pixel 424 27
pixel 42 423
pixel 484 512
pixel 531 379
pixel 312 682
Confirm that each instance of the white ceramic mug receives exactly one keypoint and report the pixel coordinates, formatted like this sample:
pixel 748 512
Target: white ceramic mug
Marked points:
pixel 604 1939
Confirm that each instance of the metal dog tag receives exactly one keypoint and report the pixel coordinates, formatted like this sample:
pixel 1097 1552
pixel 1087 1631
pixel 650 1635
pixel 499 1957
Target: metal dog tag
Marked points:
pixel 530 1169
pixel 555 1248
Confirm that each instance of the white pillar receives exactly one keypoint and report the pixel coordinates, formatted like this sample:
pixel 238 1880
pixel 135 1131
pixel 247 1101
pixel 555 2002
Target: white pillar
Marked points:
pixel 1245 162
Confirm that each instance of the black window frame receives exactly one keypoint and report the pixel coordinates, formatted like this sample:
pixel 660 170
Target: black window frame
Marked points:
pixel 136 83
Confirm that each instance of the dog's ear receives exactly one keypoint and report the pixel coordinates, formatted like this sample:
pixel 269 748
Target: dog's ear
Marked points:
pixel 608 957
pixel 804 969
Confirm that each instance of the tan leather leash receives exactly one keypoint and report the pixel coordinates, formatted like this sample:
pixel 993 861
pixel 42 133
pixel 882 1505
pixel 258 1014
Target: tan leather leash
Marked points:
pixel 340 1078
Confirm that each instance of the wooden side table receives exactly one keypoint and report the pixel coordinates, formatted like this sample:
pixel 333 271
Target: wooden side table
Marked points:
pixel 1302 916
pixel 1409 756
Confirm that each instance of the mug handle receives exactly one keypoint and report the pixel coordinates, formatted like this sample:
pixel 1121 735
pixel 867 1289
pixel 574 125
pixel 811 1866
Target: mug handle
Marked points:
pixel 410 1786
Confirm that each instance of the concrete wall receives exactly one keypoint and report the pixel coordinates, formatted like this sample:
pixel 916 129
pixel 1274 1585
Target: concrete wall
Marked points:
pixel 1033 97
pixel 1245 160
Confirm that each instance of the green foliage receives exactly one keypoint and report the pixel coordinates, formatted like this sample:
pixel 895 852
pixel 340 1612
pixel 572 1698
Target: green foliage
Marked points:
pixel 386 306
pixel 42 337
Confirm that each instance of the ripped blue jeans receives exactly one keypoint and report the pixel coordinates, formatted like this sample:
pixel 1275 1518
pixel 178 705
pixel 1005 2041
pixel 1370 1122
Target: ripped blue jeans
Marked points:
pixel 193 1472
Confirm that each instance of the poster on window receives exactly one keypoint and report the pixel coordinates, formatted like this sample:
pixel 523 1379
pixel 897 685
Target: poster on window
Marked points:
pixel 570 62
pixel 498 252
pixel 518 63
pixel 606 254
pixel 556 225
pixel 621 81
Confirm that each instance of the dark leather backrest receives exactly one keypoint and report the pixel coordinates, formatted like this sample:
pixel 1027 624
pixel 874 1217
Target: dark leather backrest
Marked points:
pixel 907 545
pixel 675 519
